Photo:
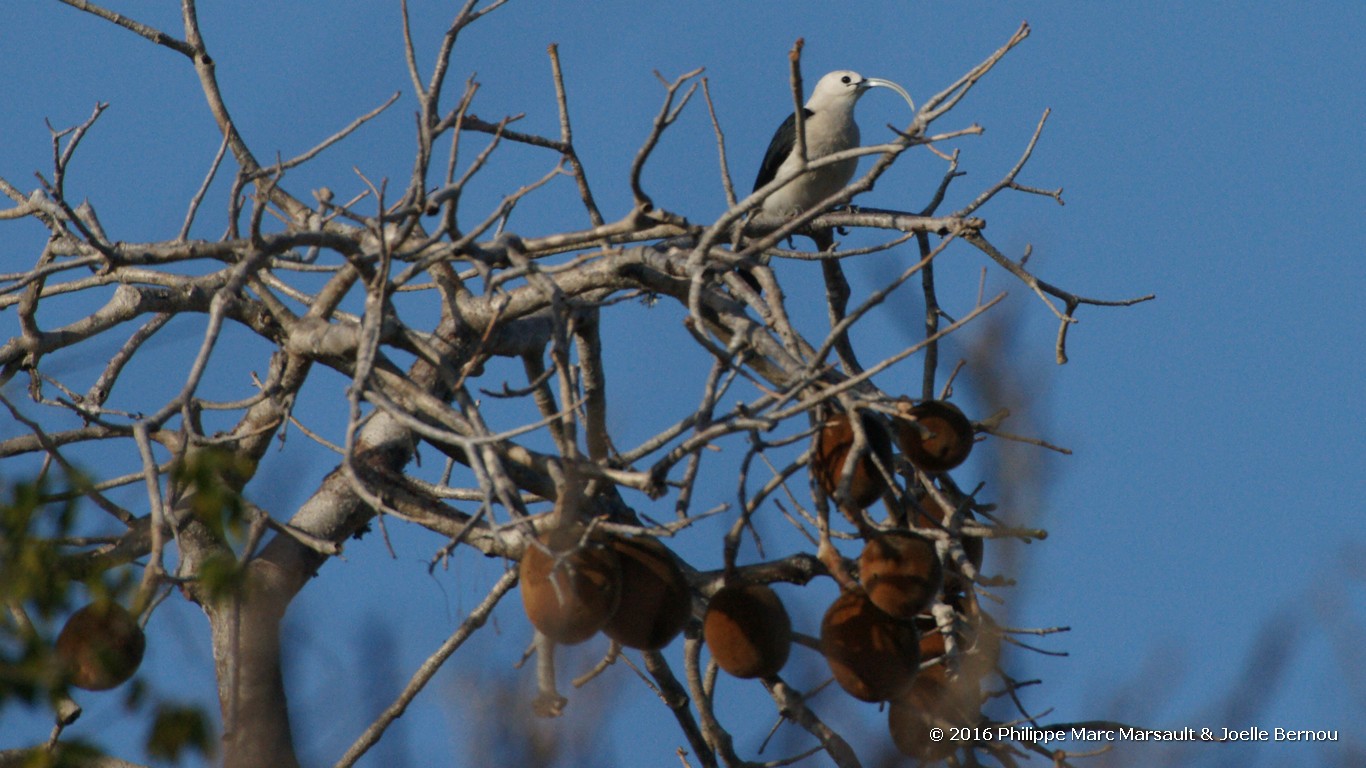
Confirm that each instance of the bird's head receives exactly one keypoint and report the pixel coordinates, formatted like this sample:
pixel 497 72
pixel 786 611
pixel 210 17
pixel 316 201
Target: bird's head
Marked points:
pixel 839 88
pixel 843 87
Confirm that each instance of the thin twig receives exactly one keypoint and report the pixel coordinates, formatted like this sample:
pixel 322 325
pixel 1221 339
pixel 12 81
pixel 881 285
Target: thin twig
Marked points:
pixel 428 669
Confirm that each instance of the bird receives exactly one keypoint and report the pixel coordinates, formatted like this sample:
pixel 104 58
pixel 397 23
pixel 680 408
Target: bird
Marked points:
pixel 829 127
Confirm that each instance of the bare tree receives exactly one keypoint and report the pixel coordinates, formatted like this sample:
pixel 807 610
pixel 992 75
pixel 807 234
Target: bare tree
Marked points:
pixel 414 299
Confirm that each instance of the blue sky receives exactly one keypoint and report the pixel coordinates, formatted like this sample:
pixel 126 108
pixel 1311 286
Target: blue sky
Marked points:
pixel 1211 154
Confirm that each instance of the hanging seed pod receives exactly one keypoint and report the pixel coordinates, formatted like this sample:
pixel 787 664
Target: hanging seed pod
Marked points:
pixel 833 444
pixel 569 589
pixel 933 435
pixel 901 572
pixel 747 630
pixel 874 656
pixel 655 599
pixel 100 646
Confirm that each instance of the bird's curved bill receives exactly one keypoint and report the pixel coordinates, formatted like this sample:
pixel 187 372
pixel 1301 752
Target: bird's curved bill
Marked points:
pixel 877 82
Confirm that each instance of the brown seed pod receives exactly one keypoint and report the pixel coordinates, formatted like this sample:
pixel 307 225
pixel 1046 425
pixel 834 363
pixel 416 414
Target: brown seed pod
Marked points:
pixel 933 515
pixel 901 572
pixel 655 600
pixel 833 443
pixel 747 630
pixel 100 646
pixel 874 656
pixel 570 591
pixel 934 435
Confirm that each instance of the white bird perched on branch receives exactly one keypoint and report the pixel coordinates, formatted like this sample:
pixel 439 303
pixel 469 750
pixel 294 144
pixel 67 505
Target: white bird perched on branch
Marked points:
pixel 829 127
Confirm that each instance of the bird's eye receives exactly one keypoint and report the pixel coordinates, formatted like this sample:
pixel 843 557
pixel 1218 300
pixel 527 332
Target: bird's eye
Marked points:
pixel 845 79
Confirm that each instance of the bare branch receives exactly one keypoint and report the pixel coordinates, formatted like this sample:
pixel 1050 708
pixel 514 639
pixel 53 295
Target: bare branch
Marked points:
pixel 428 669
pixel 155 35
pixel 668 113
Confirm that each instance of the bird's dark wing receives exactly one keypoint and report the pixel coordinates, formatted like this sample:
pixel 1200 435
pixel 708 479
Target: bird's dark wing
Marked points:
pixel 779 148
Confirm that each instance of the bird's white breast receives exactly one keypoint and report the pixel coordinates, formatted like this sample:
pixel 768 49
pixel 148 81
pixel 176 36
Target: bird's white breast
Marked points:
pixel 827 132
